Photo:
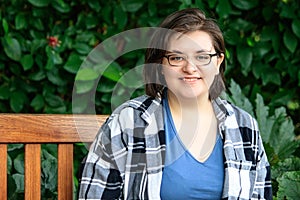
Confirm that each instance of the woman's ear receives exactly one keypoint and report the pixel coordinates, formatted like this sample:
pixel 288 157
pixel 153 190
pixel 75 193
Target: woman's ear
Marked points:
pixel 161 69
pixel 220 59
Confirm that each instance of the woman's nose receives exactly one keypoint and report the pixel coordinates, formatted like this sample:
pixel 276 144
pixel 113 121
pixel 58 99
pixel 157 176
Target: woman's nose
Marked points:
pixel 189 67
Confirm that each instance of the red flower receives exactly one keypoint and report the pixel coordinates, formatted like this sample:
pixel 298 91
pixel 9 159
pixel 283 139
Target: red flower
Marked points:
pixel 53 41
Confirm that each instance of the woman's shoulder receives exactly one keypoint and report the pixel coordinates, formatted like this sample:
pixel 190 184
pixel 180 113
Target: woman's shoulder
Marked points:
pixel 237 115
pixel 141 107
pixel 141 103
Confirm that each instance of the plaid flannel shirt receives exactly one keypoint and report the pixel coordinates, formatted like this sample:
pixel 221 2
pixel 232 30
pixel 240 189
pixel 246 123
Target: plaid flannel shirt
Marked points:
pixel 126 160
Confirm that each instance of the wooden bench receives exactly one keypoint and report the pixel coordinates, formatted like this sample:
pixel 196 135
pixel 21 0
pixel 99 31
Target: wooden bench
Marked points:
pixel 32 130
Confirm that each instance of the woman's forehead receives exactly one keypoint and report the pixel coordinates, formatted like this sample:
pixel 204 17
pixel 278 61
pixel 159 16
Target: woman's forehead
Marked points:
pixel 191 41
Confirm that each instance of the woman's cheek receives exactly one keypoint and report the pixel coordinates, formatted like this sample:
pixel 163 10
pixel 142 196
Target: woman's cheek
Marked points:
pixel 209 74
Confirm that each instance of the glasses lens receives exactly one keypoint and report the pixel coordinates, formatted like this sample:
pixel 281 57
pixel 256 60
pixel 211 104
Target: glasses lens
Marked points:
pixel 181 60
pixel 202 59
pixel 177 60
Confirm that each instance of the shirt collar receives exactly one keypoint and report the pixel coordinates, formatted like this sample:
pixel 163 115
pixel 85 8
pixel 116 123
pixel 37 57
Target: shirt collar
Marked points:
pixel 221 109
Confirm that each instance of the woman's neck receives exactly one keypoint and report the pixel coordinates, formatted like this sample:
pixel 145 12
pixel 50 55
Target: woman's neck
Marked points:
pixel 195 105
pixel 196 124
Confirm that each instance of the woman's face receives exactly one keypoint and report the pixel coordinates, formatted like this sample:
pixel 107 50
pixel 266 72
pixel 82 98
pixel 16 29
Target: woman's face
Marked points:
pixel 190 79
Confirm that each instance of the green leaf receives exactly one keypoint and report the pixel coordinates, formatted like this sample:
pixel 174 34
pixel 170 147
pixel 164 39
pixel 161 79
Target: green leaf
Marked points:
pixel 298 78
pixel 245 57
pixel 82 48
pixel 290 41
pixel 133 78
pixel 232 36
pixel 245 4
pixel 9 164
pixel 37 76
pixel 27 62
pixel 223 8
pixel 91 22
pixel 238 98
pixel 73 63
pixel 120 17
pixel 262 48
pixel 94 4
pixel 54 100
pixel 39 3
pixel 152 9
pixel 269 76
pixel 241 25
pixel 86 74
pixel 212 3
pixel 36 44
pixel 20 21
pixel 105 86
pixel 19 163
pixel 268 12
pixel 296 27
pixel 4 92
pixel 19 182
pixel 49 64
pixel 17 100
pixel 84 86
pixel 80 102
pixel 267 33
pixel 262 115
pixel 276 42
pixel 289 185
pixel 37 102
pixel 5 26
pixel 288 164
pixel 113 72
pixel 49 170
pixel 287 11
pixel 12 48
pixel 284 129
pixel 13 147
pixel 55 78
pixel 59 110
pixel 60 6
pixel 131 5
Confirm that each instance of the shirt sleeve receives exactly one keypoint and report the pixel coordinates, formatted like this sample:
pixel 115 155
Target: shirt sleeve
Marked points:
pixel 263 186
pixel 100 177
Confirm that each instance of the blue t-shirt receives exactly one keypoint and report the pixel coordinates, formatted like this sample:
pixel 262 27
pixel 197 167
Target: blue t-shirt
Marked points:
pixel 184 177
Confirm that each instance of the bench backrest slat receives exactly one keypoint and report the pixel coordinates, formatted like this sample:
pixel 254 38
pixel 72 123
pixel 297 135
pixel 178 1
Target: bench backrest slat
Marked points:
pixel 3 170
pixel 32 130
pixel 42 128
pixel 32 164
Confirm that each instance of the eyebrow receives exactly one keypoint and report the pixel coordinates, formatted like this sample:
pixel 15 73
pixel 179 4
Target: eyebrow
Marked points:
pixel 179 52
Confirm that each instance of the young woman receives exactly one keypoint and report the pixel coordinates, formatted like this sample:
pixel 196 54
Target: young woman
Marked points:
pixel 180 140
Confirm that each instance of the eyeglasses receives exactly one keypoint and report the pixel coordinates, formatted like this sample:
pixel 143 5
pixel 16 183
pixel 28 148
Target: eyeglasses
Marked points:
pixel 178 60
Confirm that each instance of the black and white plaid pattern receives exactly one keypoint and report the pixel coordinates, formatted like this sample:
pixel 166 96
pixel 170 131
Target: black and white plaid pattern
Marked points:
pixel 127 158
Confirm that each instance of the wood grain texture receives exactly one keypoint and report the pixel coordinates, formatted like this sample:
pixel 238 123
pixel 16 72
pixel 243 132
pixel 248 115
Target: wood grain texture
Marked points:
pixel 65 171
pixel 45 128
pixel 3 171
pixel 36 129
pixel 32 171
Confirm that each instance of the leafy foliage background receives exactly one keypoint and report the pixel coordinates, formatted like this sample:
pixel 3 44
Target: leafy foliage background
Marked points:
pixel 45 41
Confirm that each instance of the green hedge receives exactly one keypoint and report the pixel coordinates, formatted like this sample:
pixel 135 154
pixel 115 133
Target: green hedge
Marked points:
pixel 45 41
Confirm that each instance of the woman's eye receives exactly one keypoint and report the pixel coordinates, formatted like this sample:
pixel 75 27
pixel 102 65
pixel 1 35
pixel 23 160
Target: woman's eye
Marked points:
pixel 202 57
pixel 176 58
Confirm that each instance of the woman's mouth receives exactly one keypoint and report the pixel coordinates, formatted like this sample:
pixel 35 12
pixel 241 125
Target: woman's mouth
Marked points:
pixel 189 79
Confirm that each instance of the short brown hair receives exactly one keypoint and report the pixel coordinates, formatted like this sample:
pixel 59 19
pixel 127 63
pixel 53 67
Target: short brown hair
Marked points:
pixel 183 21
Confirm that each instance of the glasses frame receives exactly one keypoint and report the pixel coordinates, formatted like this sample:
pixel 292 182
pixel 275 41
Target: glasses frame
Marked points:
pixel 209 54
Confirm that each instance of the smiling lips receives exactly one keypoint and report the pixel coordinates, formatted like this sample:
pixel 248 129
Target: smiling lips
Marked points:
pixel 189 79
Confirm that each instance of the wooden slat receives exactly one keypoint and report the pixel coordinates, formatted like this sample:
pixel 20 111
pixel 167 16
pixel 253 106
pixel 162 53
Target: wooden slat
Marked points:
pixel 3 171
pixel 45 128
pixel 65 171
pixel 32 171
